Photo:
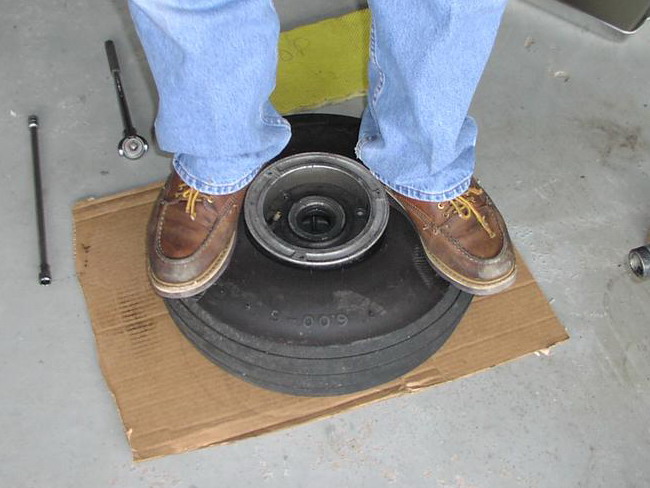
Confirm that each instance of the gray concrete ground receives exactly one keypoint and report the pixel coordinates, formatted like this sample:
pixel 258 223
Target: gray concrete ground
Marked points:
pixel 564 149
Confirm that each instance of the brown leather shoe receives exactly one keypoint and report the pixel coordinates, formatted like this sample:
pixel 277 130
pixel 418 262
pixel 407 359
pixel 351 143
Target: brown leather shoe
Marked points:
pixel 465 239
pixel 191 238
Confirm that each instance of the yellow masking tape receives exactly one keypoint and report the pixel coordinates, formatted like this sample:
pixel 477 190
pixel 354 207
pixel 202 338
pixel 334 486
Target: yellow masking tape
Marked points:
pixel 323 63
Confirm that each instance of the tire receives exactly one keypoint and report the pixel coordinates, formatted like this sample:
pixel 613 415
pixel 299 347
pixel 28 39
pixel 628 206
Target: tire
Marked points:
pixel 324 332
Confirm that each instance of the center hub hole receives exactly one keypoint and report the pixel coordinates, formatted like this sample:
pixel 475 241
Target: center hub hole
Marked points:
pixel 316 221
pixel 316 218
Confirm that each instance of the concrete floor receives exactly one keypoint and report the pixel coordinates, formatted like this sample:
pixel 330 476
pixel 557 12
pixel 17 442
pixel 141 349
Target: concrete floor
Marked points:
pixel 565 151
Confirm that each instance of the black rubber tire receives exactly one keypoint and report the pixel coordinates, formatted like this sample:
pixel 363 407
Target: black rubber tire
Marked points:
pixel 304 381
pixel 325 332
pixel 332 360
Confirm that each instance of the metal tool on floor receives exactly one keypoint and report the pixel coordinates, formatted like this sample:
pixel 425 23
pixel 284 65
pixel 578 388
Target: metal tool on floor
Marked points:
pixel 639 260
pixel 132 145
pixel 44 276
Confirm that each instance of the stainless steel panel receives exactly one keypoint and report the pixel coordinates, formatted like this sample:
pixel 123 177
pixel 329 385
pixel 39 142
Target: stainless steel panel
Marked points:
pixel 624 15
pixel 610 18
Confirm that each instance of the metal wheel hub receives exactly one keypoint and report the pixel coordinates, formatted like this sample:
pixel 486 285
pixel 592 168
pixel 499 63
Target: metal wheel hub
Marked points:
pixel 316 210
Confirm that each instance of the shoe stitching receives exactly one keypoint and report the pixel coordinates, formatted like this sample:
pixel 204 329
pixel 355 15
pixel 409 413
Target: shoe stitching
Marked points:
pixel 440 230
pixel 499 233
pixel 471 257
pixel 211 234
pixel 227 208
pixel 213 272
pixel 465 280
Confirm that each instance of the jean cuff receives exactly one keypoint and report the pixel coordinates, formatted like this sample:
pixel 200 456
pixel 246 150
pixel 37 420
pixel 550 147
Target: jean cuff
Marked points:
pixel 210 188
pixel 444 196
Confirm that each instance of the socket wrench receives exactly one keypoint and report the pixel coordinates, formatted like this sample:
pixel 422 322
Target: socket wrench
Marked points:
pixel 132 145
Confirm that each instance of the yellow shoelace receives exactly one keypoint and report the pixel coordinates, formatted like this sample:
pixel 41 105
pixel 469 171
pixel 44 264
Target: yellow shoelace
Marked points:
pixel 191 196
pixel 464 207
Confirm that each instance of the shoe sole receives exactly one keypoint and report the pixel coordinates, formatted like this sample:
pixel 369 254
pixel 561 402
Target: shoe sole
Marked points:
pixel 199 284
pixel 461 282
pixel 467 284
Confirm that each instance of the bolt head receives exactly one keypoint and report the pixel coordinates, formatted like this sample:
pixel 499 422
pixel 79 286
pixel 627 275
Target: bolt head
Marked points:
pixel 132 147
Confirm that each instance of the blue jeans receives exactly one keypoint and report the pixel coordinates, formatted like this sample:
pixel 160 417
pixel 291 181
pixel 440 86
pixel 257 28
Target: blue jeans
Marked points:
pixel 214 64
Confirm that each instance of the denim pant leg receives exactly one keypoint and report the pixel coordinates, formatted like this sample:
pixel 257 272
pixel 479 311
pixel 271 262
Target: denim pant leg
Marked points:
pixel 426 58
pixel 214 63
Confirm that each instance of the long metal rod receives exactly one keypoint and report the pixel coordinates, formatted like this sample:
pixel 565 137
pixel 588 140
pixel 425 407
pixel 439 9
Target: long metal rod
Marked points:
pixel 44 276
pixel 114 66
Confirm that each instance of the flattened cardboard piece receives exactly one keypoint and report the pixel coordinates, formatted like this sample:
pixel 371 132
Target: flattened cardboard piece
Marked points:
pixel 172 399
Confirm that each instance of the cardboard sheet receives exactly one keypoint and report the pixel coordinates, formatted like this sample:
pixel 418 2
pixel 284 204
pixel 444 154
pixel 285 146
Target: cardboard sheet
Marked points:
pixel 172 399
